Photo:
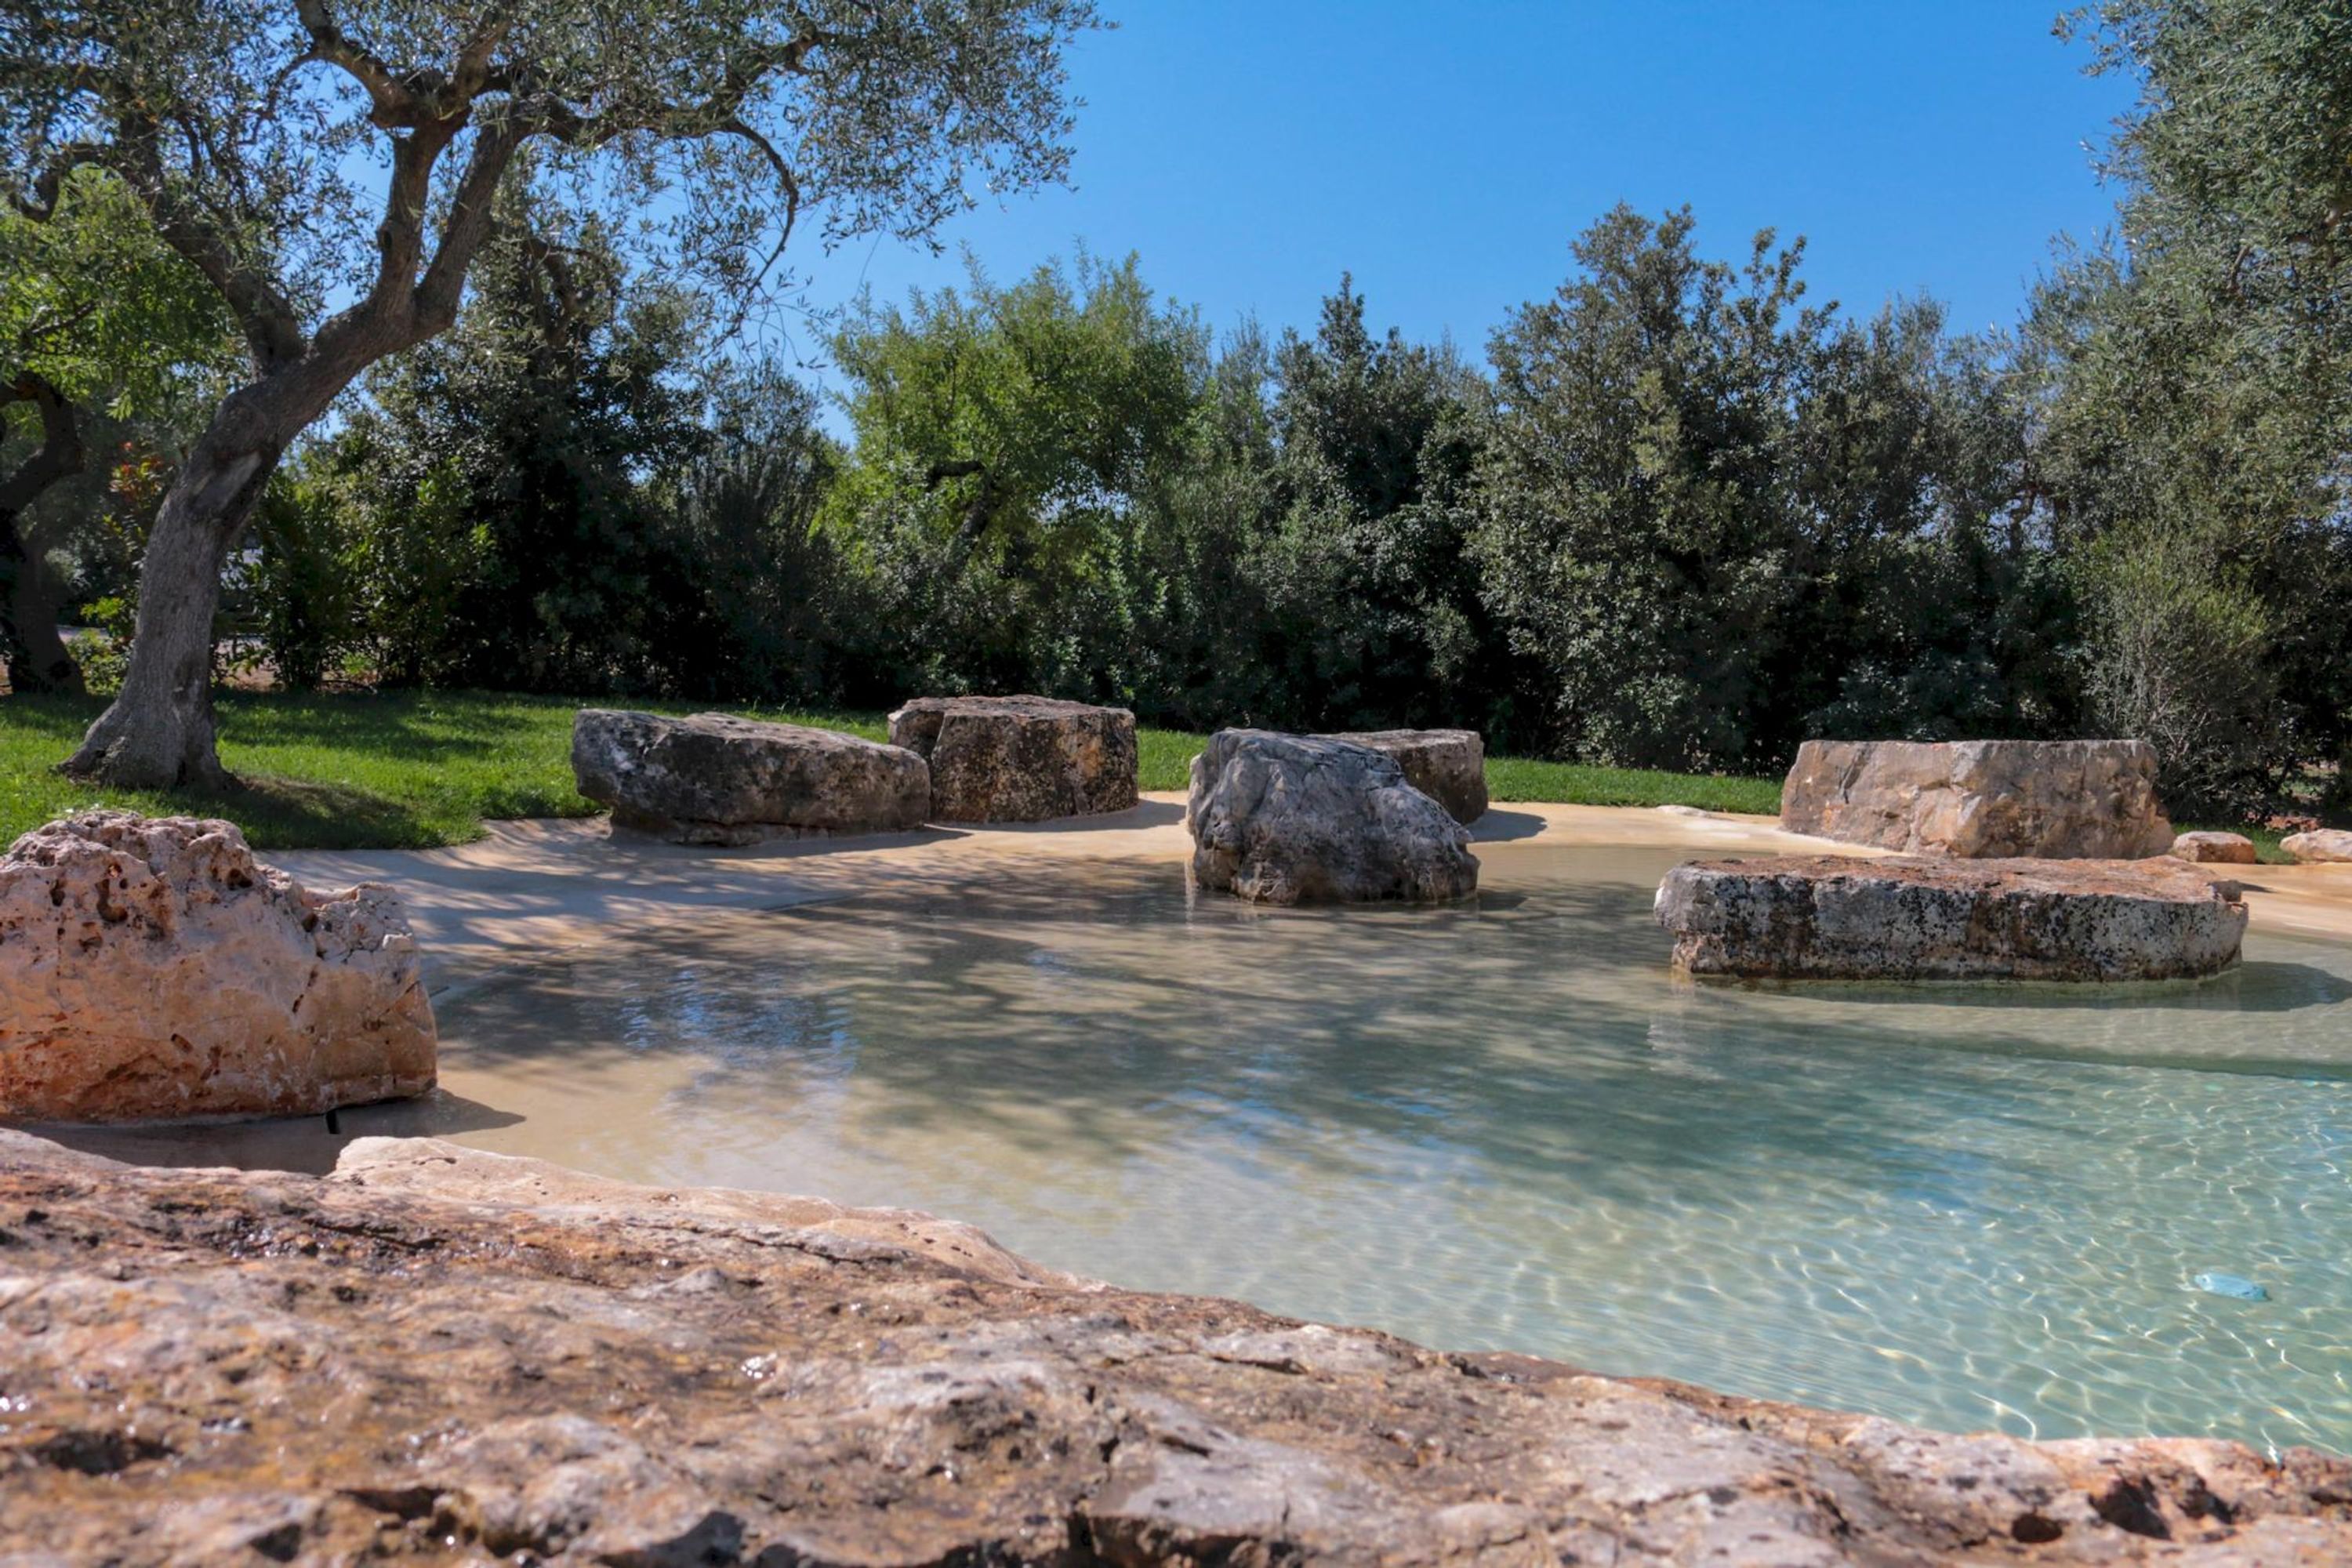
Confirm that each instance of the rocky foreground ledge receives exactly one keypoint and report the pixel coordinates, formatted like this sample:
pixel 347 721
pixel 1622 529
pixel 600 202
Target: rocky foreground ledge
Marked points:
pixel 440 1354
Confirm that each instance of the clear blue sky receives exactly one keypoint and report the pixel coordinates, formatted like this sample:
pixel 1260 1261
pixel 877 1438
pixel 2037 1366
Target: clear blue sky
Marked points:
pixel 1445 152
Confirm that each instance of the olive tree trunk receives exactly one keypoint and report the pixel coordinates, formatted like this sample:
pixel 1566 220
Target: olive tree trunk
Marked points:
pixel 36 655
pixel 158 733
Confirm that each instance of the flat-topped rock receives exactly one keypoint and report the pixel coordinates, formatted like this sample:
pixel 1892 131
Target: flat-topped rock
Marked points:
pixel 440 1355
pixel 152 969
pixel 1831 917
pixel 2215 850
pixel 1291 819
pixel 1020 759
pixel 2321 846
pixel 716 778
pixel 2066 800
pixel 1447 765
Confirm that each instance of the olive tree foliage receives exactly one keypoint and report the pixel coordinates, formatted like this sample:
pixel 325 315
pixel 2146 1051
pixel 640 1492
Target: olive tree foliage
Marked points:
pixel 331 167
pixel 1717 519
pixel 1011 441
pixel 100 323
pixel 2194 418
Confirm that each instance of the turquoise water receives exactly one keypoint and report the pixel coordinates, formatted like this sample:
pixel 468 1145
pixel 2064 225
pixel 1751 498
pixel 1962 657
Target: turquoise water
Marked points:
pixel 1507 1126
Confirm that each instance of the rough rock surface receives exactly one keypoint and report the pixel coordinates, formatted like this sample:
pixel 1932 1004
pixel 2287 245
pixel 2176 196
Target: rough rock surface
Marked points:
pixel 1828 916
pixel 2065 800
pixel 2215 850
pixel 150 968
pixel 1447 765
pixel 716 778
pixel 1290 819
pixel 1020 759
pixel 441 1355
pixel 2322 846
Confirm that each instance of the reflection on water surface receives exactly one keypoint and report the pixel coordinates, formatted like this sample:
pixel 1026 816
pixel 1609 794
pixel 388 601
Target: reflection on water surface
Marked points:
pixel 1504 1126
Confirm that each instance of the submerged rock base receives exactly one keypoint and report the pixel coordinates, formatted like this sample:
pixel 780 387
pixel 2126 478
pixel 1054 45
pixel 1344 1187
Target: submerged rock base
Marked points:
pixel 1828 916
pixel 1297 819
pixel 437 1354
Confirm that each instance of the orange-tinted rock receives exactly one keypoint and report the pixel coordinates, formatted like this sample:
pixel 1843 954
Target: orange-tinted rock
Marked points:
pixel 2215 850
pixel 437 1356
pixel 2066 800
pixel 1020 759
pixel 152 968
pixel 1827 917
pixel 2320 846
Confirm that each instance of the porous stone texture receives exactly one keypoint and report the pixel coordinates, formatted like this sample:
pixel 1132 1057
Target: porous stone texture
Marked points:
pixel 2215 850
pixel 1020 759
pixel 2323 846
pixel 1447 765
pixel 1831 917
pixel 1292 819
pixel 716 778
pixel 441 1355
pixel 152 969
pixel 2065 800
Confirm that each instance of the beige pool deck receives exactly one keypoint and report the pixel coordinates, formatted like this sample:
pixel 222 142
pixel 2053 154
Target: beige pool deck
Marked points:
pixel 530 888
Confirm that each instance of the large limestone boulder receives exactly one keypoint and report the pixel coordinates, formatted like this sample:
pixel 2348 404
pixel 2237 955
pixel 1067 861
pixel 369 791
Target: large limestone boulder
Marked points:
pixel 716 778
pixel 1447 765
pixel 440 1355
pixel 1290 819
pixel 1020 759
pixel 153 969
pixel 2064 800
pixel 2322 846
pixel 1831 917
pixel 2215 850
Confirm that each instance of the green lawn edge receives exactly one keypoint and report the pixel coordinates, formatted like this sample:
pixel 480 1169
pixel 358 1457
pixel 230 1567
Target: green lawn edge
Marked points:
pixel 420 770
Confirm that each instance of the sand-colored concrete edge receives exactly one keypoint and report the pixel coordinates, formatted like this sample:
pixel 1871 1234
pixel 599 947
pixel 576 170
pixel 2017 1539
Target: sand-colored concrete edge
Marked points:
pixel 530 888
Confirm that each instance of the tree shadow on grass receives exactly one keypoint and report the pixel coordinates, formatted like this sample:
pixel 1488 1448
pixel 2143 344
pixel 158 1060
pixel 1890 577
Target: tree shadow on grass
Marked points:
pixel 278 813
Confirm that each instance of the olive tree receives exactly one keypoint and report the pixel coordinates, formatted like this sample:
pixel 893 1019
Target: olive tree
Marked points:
pixel 98 322
pixel 332 169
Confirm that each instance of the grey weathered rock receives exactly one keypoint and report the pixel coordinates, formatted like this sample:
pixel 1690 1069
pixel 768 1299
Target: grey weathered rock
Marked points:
pixel 1020 759
pixel 152 968
pixel 2322 846
pixel 2091 800
pixel 2215 850
pixel 440 1355
pixel 1828 916
pixel 1447 765
pixel 716 778
pixel 1289 819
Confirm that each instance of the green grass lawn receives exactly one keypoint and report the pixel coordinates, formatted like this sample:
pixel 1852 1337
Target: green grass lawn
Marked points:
pixel 410 770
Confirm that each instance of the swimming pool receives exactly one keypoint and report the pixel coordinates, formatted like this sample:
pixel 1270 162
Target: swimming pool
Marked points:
pixel 1505 1125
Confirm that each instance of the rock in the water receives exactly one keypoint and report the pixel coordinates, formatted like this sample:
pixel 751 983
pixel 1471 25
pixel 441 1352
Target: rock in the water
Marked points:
pixel 716 778
pixel 1020 759
pixel 150 968
pixel 1833 917
pixel 2324 846
pixel 2215 850
pixel 439 1355
pixel 1447 765
pixel 2064 800
pixel 1291 819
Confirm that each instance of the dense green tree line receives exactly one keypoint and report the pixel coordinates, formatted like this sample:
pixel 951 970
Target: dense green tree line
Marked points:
pixel 1679 513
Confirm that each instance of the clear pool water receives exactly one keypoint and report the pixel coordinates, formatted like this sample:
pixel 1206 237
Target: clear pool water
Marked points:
pixel 1507 1126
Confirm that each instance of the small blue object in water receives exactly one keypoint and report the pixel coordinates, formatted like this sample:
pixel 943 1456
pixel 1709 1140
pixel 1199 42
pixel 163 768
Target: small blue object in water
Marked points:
pixel 2218 1284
